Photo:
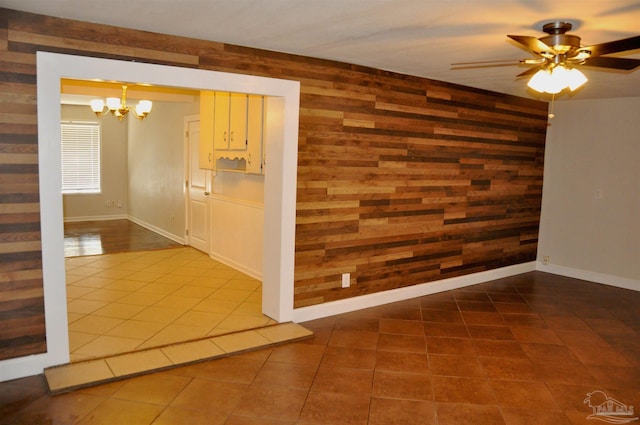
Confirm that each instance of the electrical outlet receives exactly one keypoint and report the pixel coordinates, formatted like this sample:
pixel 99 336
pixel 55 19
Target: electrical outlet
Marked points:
pixel 546 260
pixel 346 280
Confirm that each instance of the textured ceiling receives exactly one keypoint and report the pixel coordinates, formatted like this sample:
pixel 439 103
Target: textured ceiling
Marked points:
pixel 416 37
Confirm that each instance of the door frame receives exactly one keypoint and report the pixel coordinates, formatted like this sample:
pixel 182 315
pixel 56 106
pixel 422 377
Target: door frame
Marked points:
pixel 283 103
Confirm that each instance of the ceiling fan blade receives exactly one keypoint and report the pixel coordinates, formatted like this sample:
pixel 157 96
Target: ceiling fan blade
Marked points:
pixel 533 44
pixel 493 65
pixel 483 64
pixel 509 61
pixel 529 72
pixel 613 63
pixel 622 45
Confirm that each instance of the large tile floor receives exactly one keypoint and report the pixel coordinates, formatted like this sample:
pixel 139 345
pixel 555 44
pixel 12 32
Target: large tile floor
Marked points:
pixel 522 350
pixel 129 301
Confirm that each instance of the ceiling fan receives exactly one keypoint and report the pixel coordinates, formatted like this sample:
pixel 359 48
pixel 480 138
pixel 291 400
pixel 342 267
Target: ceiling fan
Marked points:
pixel 558 55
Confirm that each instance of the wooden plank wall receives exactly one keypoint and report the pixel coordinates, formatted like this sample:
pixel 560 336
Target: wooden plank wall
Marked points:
pixel 401 180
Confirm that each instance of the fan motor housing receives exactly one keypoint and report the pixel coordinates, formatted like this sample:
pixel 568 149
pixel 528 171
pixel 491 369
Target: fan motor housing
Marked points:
pixel 558 39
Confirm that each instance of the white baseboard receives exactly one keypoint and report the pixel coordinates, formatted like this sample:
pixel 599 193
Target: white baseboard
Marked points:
pixel 95 218
pixel 304 314
pixel 591 276
pixel 244 269
pixel 21 367
pixel 175 238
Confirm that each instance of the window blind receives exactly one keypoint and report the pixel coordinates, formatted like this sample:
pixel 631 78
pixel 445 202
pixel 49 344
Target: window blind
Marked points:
pixel 80 157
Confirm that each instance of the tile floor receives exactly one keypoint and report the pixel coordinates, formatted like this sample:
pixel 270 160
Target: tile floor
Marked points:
pixel 120 366
pixel 522 350
pixel 129 301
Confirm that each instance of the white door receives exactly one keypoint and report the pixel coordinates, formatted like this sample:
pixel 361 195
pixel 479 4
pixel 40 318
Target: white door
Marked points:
pixel 198 188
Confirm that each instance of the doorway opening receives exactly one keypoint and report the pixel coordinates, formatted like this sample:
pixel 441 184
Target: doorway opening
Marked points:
pixel 123 295
pixel 280 183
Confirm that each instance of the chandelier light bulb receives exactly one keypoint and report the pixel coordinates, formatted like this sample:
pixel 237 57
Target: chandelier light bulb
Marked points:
pixel 97 106
pixel 144 107
pixel 113 103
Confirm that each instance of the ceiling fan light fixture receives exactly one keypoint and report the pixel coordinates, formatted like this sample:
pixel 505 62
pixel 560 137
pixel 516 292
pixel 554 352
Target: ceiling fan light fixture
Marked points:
pixel 559 79
pixel 540 81
pixel 555 80
pixel 560 53
pixel 576 79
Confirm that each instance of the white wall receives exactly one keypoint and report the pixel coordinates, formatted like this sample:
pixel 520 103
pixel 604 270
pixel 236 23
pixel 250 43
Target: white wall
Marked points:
pixel 590 224
pixel 237 221
pixel 156 168
pixel 247 187
pixel 114 169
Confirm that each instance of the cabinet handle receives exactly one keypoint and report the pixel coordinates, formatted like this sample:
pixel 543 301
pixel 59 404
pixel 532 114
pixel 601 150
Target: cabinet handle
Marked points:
pixel 209 156
pixel 249 159
pixel 224 136
pixel 231 137
pixel 206 194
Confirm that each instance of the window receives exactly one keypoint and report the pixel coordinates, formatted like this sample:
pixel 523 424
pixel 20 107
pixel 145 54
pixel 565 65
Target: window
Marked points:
pixel 80 157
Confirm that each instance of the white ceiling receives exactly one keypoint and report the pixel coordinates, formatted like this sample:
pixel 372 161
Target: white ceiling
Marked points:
pixel 416 37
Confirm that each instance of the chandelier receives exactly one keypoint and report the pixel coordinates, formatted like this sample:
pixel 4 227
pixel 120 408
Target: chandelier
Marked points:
pixel 555 78
pixel 119 108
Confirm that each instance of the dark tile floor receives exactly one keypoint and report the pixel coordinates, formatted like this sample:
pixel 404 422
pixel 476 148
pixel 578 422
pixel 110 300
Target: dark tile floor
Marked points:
pixel 521 350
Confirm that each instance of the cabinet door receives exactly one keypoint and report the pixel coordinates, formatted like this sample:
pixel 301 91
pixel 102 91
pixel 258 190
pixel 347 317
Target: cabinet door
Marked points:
pixel 205 148
pixel 221 122
pixel 255 123
pixel 238 122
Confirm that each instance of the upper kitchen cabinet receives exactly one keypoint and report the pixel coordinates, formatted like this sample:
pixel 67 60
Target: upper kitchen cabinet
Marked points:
pixel 230 122
pixel 235 128
pixel 206 159
pixel 255 134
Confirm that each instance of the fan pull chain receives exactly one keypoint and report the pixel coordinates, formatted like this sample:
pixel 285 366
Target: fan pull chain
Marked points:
pixel 553 98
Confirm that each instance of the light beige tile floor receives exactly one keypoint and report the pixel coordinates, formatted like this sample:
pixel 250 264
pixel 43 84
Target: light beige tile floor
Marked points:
pixel 119 303
pixel 119 366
